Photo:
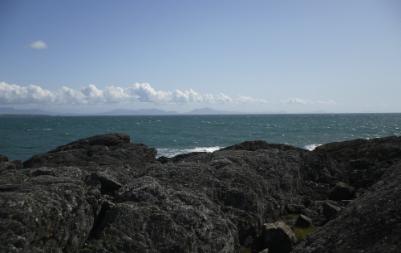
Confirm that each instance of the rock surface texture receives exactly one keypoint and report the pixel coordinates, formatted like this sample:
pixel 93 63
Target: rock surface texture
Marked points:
pixel 107 194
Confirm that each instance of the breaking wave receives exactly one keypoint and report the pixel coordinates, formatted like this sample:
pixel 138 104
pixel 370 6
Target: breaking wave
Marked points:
pixel 312 146
pixel 171 152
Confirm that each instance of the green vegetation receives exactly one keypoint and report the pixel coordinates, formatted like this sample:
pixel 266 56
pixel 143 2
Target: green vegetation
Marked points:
pixel 302 233
pixel 245 250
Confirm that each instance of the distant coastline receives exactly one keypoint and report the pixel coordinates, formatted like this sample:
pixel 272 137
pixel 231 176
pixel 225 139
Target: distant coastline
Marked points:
pixel 10 111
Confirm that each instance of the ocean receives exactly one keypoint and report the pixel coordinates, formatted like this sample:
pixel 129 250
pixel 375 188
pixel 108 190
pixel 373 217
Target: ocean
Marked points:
pixel 23 136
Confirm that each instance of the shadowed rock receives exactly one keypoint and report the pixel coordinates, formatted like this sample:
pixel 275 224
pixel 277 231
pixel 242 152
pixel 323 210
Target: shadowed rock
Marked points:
pixel 342 191
pixel 303 221
pixel 277 237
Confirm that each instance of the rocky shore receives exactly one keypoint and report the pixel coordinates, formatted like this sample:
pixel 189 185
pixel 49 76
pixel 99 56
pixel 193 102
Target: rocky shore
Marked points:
pixel 107 194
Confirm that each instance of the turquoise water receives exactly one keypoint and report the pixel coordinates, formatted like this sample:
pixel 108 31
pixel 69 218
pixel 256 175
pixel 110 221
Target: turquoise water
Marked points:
pixel 24 136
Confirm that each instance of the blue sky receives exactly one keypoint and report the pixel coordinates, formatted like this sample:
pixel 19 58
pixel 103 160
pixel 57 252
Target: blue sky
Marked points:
pixel 251 56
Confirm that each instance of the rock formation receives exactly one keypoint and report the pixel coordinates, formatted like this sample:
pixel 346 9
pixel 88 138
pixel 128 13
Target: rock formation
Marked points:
pixel 106 194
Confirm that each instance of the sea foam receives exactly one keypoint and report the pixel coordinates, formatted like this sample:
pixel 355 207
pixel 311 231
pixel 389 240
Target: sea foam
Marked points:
pixel 312 146
pixel 171 152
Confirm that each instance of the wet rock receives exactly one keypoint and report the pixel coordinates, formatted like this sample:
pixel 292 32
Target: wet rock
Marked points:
pixel 342 191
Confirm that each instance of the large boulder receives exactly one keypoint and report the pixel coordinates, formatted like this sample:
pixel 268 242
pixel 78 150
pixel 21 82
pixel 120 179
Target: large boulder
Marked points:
pixel 44 213
pixel 100 150
pixel 150 217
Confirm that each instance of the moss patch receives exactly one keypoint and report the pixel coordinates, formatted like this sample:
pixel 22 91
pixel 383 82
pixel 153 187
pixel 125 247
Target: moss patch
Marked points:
pixel 302 233
pixel 245 250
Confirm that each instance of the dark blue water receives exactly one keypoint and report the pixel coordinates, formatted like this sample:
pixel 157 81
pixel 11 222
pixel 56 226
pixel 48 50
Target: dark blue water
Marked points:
pixel 24 136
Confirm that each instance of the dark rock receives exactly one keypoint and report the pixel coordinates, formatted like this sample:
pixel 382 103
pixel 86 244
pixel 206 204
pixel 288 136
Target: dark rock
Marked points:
pixel 42 171
pixel 277 237
pixel 303 221
pixel 104 140
pixel 45 214
pixel 3 158
pixel 330 210
pixel 101 150
pixel 294 208
pixel 105 194
pixel 369 224
pixel 153 218
pixel 108 184
pixel 163 159
pixel 342 191
pixel 219 163
pixel 258 145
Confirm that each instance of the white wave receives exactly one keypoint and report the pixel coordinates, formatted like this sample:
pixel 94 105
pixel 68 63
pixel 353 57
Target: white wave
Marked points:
pixel 171 152
pixel 312 146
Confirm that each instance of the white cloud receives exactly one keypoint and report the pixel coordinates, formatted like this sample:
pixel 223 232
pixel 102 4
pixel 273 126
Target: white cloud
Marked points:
pixel 301 101
pixel 247 99
pixel 137 92
pixel 39 44
pixel 31 94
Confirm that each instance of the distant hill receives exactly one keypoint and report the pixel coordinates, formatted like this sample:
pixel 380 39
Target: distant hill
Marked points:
pixel 13 111
pixel 208 111
pixel 123 112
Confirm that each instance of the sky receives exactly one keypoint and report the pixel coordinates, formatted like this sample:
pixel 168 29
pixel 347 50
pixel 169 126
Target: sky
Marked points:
pixel 246 56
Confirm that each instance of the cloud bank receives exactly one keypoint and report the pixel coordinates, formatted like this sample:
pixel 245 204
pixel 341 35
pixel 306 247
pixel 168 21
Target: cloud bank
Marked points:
pixel 137 92
pixel 38 45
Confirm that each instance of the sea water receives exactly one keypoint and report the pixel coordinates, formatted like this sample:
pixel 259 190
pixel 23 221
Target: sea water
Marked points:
pixel 23 136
